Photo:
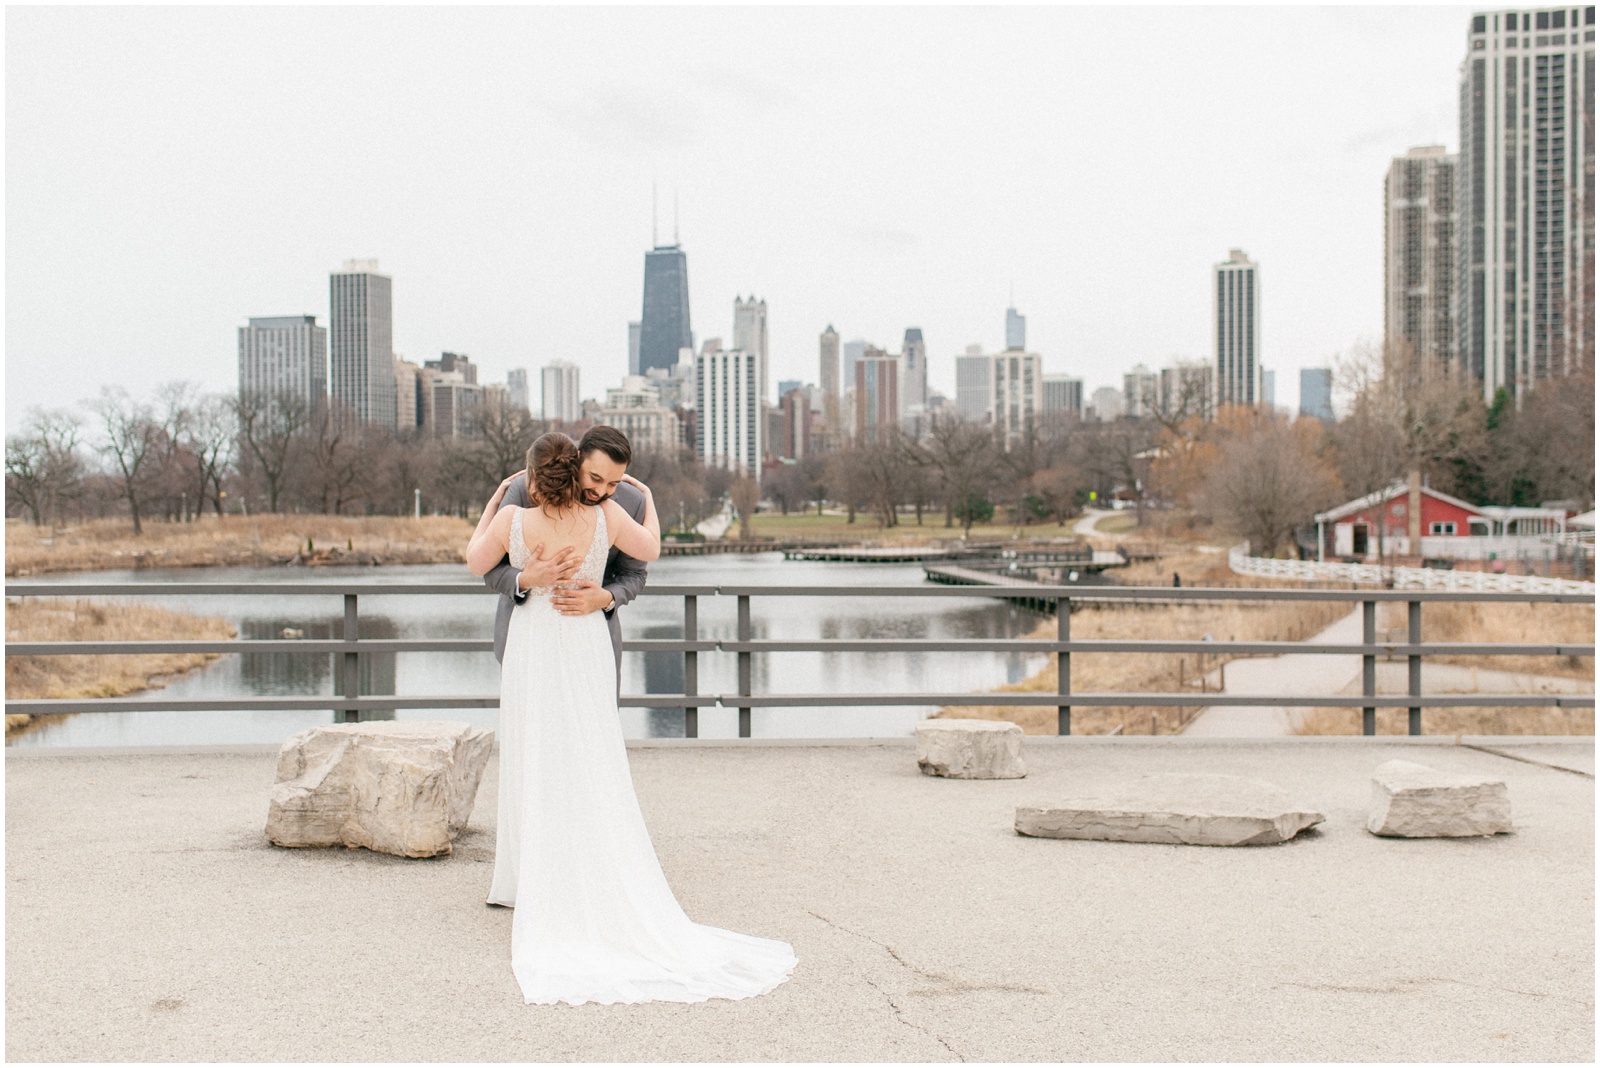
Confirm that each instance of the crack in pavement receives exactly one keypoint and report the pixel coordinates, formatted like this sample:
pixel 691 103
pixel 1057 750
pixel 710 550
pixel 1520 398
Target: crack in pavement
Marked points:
pixel 1405 986
pixel 894 1006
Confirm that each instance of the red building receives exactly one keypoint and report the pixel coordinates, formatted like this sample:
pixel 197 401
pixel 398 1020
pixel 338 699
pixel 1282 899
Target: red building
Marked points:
pixel 1446 525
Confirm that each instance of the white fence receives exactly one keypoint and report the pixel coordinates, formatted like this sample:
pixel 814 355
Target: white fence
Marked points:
pixel 1402 578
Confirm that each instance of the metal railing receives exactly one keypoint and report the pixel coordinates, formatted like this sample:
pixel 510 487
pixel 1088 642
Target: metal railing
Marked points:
pixel 349 705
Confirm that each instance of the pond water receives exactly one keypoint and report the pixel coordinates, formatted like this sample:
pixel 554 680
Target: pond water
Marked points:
pixel 472 616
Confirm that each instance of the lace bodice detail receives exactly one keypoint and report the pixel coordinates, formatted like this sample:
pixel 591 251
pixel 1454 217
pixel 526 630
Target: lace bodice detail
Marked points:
pixel 593 567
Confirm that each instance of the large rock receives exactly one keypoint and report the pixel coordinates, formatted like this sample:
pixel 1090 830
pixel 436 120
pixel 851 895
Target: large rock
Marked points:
pixel 970 749
pixel 1222 810
pixel 1415 801
pixel 394 787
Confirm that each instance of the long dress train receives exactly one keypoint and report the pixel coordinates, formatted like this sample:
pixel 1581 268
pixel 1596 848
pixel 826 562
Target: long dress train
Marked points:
pixel 595 919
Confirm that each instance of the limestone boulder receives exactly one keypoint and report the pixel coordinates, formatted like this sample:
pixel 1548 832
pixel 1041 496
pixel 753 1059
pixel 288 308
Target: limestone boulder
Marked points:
pixel 392 787
pixel 1415 801
pixel 970 749
pixel 1177 809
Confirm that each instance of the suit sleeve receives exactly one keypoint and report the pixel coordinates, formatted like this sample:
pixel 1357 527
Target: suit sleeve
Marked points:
pixel 628 577
pixel 503 577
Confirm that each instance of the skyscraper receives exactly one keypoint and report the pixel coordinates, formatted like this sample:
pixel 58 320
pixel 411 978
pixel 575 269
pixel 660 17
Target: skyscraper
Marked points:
pixel 1419 253
pixel 284 355
pixel 1017 387
pixel 1316 393
pixel 728 427
pixel 750 335
pixel 1141 391
pixel 1525 254
pixel 1236 322
pixel 558 383
pixel 633 349
pixel 1016 330
pixel 664 324
pixel 914 372
pixel 829 382
pixel 1269 388
pixel 361 318
pixel 1061 394
pixel 974 382
pixel 853 351
pixel 877 395
pixel 517 388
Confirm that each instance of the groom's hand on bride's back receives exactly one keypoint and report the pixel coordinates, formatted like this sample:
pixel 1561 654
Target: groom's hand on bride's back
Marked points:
pixel 542 573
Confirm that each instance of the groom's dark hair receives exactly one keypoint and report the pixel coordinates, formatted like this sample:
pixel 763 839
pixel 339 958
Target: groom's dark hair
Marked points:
pixel 609 440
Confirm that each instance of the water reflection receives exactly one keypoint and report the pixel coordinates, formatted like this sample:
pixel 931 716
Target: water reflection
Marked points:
pixel 472 616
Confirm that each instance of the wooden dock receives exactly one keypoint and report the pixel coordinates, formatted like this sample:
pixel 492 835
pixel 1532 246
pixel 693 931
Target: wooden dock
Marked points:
pixel 955 575
pixel 879 554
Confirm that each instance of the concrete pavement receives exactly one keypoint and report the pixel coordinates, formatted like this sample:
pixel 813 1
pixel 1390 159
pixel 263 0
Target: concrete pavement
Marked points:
pixel 148 919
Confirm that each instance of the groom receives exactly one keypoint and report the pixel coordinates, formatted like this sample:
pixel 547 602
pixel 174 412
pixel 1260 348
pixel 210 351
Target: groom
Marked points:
pixel 603 458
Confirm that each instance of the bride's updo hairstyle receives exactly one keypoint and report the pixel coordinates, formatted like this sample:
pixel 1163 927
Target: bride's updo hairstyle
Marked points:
pixel 553 470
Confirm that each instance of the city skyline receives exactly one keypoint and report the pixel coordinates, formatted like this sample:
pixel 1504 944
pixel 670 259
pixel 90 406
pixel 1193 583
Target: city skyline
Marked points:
pixel 522 265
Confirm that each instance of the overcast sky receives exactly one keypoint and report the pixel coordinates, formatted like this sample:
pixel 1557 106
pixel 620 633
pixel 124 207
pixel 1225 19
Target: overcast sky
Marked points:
pixel 171 172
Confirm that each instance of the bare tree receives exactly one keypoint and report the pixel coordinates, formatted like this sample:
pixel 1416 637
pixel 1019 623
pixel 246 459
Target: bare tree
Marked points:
pixel 43 466
pixel 1268 479
pixel 131 438
pixel 212 434
pixel 339 458
pixel 962 456
pixel 270 426
pixel 746 495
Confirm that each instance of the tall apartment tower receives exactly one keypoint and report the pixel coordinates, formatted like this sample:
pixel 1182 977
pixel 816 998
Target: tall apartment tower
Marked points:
pixel 877 395
pixel 361 345
pixel 1236 325
pixel 750 335
pixel 829 379
pixel 517 388
pixel 1316 393
pixel 974 383
pixel 1141 391
pixel 284 355
pixel 1018 389
pixel 1016 329
pixel 559 393
pixel 913 372
pixel 1419 253
pixel 664 323
pixel 1061 394
pixel 728 426
pixel 1525 254
pixel 633 349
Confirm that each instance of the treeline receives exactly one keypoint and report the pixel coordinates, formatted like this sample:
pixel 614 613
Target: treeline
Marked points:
pixel 1251 472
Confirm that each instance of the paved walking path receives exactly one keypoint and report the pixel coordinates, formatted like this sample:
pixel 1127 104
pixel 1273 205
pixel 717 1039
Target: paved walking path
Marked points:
pixel 1084 527
pixel 148 919
pixel 1315 673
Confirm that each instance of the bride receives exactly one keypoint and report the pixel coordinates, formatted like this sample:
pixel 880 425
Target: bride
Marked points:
pixel 595 919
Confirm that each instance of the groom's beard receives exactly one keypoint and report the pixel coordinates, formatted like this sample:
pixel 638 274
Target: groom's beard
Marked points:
pixel 592 498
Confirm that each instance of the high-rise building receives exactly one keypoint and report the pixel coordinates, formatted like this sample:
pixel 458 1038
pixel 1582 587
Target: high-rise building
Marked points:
pixel 455 405
pixel 974 384
pixel 1419 253
pixel 877 395
pixel 361 342
pixel 455 363
pixel 1016 329
pixel 1141 391
pixel 633 349
pixel 664 323
pixel 1017 387
pixel 830 382
pixel 750 335
pixel 636 408
pixel 1061 393
pixel 1316 393
pixel 407 414
pixel 795 404
pixel 1106 403
pixel 1525 244
pixel 913 373
pixel 853 351
pixel 728 429
pixel 517 388
pixel 559 401
pixel 1236 324
pixel 284 355
pixel 1187 389
pixel 1269 388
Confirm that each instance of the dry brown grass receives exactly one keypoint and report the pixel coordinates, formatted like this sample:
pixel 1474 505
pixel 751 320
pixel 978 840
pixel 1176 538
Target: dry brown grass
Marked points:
pixel 235 540
pixel 56 677
pixel 1448 721
pixel 1158 672
pixel 1535 624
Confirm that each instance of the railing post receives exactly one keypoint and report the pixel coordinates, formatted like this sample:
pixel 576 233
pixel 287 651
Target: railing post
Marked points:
pixel 691 664
pixel 352 667
pixel 744 664
pixel 1369 666
pixel 1414 666
pixel 1063 666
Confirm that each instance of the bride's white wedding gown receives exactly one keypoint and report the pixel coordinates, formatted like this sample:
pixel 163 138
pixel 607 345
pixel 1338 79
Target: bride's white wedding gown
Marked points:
pixel 595 919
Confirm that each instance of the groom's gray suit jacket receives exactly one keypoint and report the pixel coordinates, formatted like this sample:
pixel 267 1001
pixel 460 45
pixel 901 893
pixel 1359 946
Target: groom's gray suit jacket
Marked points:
pixel 624 577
